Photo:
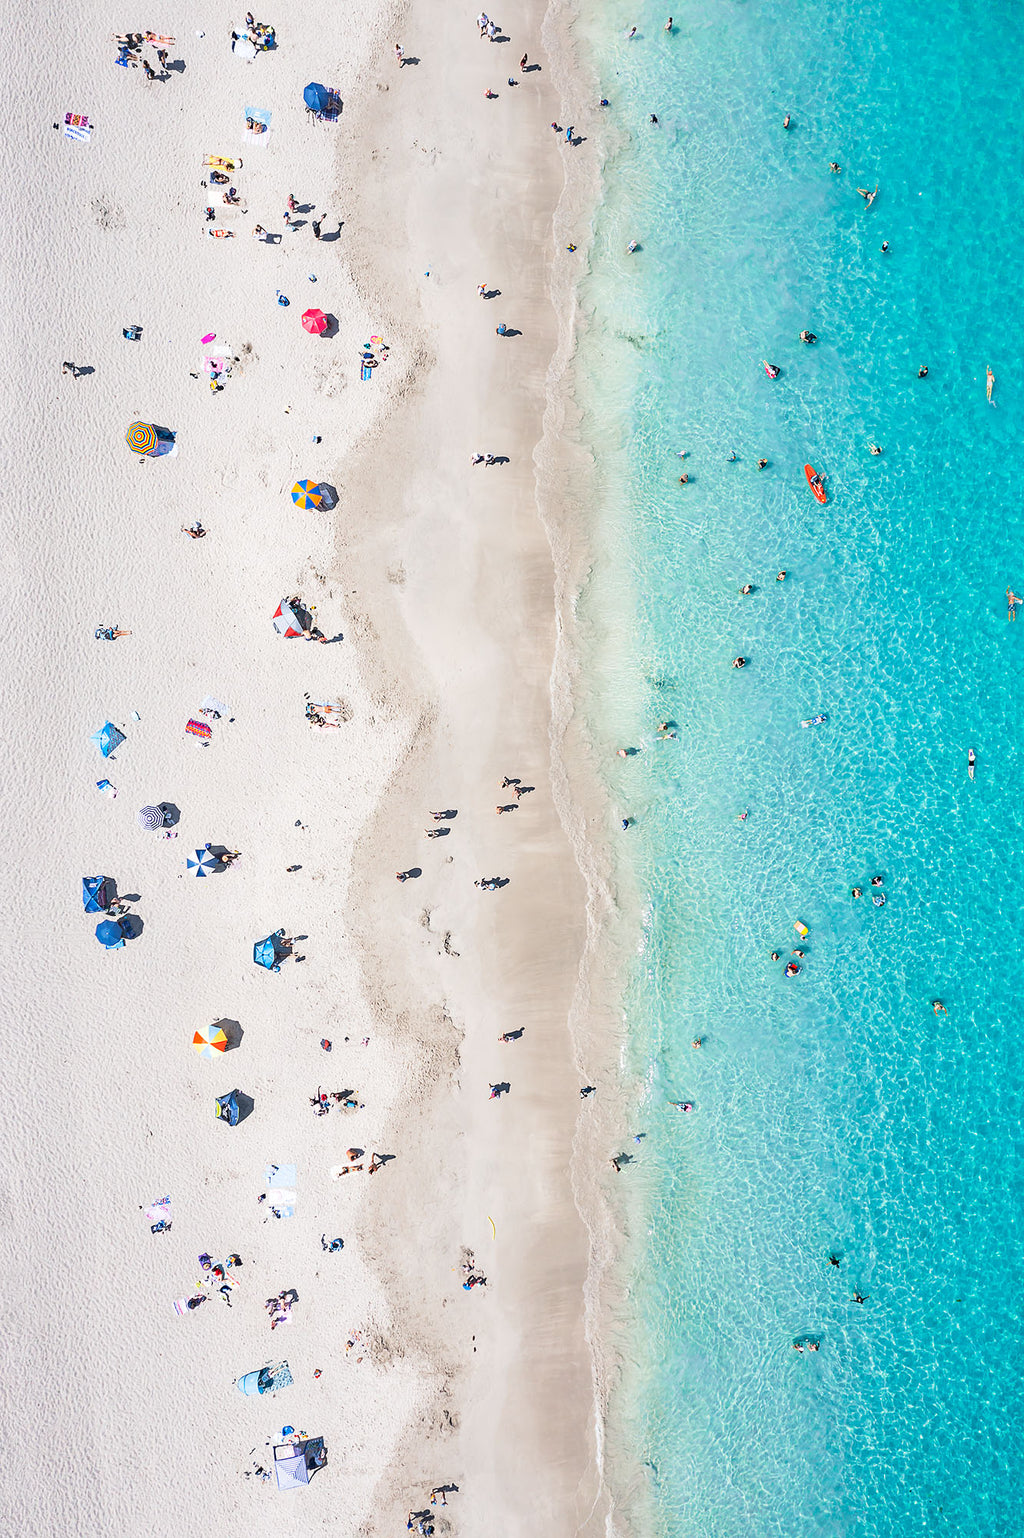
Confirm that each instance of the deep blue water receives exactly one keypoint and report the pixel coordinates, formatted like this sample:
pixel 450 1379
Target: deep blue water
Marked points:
pixel 834 1111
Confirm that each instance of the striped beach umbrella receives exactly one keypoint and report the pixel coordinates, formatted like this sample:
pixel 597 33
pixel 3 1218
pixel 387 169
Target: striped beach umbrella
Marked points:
pixel 141 437
pixel 306 494
pixel 209 1040
pixel 203 863
pixel 314 321
pixel 151 818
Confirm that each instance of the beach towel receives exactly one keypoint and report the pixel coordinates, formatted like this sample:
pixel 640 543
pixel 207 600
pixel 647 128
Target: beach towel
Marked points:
pixel 181 1306
pixel 159 1214
pixel 278 1175
pixel 199 729
pixel 261 115
pixel 77 126
pixel 211 706
pixel 220 163
pixel 366 372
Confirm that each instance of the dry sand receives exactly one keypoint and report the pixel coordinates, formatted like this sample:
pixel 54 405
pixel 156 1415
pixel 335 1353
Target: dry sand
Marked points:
pixel 439 582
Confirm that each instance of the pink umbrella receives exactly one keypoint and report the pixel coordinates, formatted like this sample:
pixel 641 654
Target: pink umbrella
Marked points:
pixel 315 321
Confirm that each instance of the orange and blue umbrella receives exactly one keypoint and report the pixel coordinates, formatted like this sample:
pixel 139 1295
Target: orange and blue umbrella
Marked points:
pixel 209 1040
pixel 141 437
pixel 306 494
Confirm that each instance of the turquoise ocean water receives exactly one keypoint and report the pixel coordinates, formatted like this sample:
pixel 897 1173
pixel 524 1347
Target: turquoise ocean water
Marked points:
pixel 833 1112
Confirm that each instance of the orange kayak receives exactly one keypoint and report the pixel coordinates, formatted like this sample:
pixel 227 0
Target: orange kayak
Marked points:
pixel 814 481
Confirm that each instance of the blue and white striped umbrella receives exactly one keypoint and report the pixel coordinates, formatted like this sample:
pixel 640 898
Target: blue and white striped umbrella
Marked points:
pixel 203 863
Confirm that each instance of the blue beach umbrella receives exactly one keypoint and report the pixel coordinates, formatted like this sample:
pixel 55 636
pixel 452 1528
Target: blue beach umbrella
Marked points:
pixel 109 935
pixel 203 863
pixel 107 738
pixel 316 97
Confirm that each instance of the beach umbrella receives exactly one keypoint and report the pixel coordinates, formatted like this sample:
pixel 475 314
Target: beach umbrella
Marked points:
pixel 314 321
pixel 203 863
pixel 107 738
pixel 95 897
pixel 109 935
pixel 316 97
pixel 306 494
pixel 141 437
pixel 150 818
pixel 209 1040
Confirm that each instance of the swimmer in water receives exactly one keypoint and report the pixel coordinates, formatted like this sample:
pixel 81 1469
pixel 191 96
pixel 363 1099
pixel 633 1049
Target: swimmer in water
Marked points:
pixel 879 899
pixel 786 121
pixel 792 970
pixel 876 881
pixel 869 197
pixel 743 816
pixel 739 662
pixel 874 448
pixel 771 369
pixel 683 479
pixel 732 459
pixel 747 587
pixel 971 761
pixel 856 891
pixel 808 337
pixel 990 380
pixel 632 246
pixel 922 372
pixel 939 1008
pixel 780 576
pixel 833 1260
pixel 1011 601
pixel 774 956
pixel 698 1041
pixel 885 247
pixel 834 167
pixel 762 464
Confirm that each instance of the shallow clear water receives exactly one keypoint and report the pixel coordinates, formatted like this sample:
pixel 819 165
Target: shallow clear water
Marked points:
pixel 835 1111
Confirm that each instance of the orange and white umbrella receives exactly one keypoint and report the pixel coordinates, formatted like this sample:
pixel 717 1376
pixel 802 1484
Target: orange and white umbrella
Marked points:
pixel 209 1040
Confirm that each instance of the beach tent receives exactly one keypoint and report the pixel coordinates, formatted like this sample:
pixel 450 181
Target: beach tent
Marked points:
pixel 266 1381
pixel 110 935
pixel 107 738
pixel 314 321
pixel 227 1108
pixel 264 952
pixel 203 863
pixel 94 894
pixel 294 1462
pixel 306 494
pixel 316 97
pixel 287 621
pixel 210 1040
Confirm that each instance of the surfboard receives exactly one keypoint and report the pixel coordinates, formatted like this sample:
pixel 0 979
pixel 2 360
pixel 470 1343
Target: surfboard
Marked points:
pixel 812 477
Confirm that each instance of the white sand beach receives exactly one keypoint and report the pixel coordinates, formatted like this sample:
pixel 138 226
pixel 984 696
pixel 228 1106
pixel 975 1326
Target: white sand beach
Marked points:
pixel 434 582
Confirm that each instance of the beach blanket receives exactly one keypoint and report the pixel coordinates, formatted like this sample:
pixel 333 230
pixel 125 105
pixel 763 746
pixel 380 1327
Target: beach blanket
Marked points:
pixel 199 729
pixel 366 372
pixel 76 126
pixel 262 116
pixel 159 1214
pixel 211 706
pixel 220 163
pixel 181 1306
pixel 278 1175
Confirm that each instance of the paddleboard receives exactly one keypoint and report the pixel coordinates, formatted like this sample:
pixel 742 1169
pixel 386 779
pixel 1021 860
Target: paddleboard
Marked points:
pixel 814 481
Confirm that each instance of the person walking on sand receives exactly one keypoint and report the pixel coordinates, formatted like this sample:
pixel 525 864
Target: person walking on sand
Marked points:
pixel 70 368
pixel 990 380
pixel 399 54
pixel 522 64
pixel 316 227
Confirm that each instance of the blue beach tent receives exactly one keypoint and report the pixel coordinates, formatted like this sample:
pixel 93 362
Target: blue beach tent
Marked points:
pixel 267 1380
pixel 316 97
pixel 265 952
pixel 227 1108
pixel 107 738
pixel 94 894
pixel 110 935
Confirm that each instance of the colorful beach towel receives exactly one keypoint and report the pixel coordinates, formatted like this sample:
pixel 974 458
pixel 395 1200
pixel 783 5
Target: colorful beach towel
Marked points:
pixel 159 1215
pixel 77 126
pixel 199 729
